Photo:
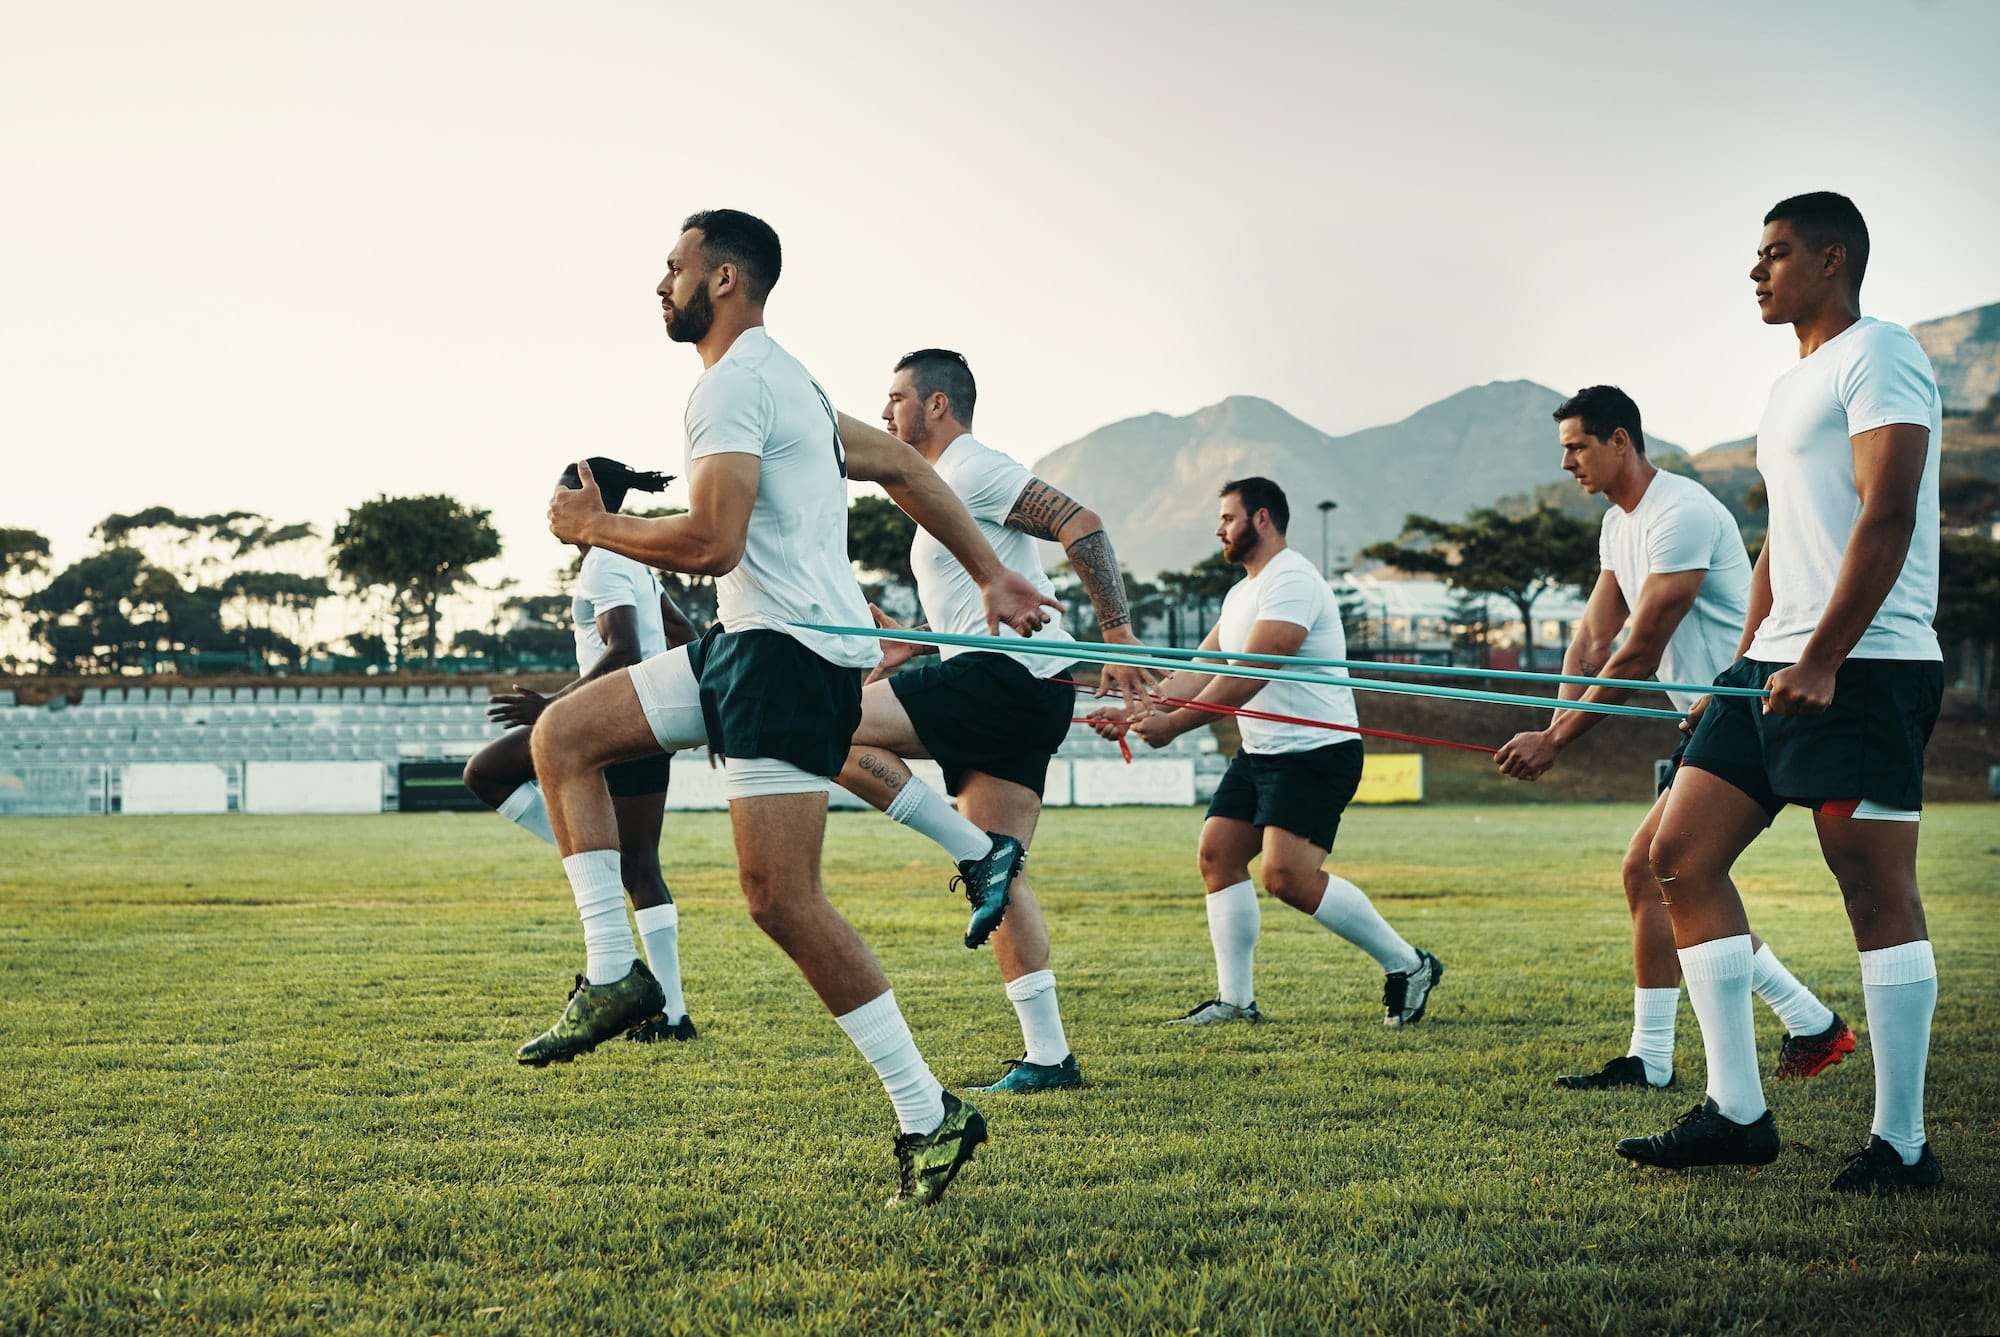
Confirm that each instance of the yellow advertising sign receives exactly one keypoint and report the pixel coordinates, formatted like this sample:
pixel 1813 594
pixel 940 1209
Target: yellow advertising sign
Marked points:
pixel 1395 777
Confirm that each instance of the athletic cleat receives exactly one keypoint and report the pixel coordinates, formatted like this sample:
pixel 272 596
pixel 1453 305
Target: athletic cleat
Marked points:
pixel 1803 1056
pixel 1405 993
pixel 1023 1076
pixel 595 1013
pixel 926 1163
pixel 985 881
pixel 656 1028
pixel 1704 1136
pixel 1215 1012
pixel 1878 1168
pixel 1629 1071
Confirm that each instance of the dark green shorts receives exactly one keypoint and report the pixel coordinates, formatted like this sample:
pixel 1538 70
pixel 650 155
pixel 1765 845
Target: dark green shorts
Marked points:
pixel 765 695
pixel 1304 793
pixel 642 775
pixel 1869 745
pixel 986 712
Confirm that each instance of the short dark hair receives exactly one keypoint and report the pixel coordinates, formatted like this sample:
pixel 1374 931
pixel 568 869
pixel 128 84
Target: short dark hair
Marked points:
pixel 614 480
pixel 1261 494
pixel 730 236
pixel 1604 409
pixel 1824 219
pixel 941 371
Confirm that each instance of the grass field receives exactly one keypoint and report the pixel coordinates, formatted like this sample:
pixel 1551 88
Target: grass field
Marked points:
pixel 257 1076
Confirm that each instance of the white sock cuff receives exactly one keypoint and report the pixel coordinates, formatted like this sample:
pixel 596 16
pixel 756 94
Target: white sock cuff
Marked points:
pixel 1719 959
pixel 1651 1002
pixel 595 875
pixel 1030 985
pixel 908 799
pixel 1232 896
pixel 1764 959
pixel 1905 963
pixel 876 1027
pixel 656 917
pixel 518 802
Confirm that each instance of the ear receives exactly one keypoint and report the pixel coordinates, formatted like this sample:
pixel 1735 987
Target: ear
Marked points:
pixel 726 278
pixel 1620 439
pixel 1832 260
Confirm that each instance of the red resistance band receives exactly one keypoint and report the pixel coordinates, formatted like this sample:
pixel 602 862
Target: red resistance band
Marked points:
pixel 1182 703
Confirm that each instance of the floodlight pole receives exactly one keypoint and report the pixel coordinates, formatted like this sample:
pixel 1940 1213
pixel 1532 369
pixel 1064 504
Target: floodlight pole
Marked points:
pixel 1326 509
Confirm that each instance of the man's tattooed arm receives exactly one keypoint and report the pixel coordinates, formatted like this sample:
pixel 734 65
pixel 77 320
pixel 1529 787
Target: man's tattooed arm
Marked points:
pixel 1046 512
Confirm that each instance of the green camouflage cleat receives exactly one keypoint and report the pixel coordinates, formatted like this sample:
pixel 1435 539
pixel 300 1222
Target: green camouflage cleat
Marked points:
pixel 927 1162
pixel 656 1028
pixel 1023 1076
pixel 595 1013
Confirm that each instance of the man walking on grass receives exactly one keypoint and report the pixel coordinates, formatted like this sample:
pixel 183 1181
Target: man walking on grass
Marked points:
pixel 1675 579
pixel 767 516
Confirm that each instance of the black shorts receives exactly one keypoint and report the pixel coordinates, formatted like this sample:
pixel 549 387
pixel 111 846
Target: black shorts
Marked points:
pixel 986 712
pixel 1869 744
pixel 642 775
pixel 765 695
pixel 1301 792
pixel 1673 766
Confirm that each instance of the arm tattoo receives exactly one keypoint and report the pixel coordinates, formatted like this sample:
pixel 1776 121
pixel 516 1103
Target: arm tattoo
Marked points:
pixel 1041 511
pixel 1097 567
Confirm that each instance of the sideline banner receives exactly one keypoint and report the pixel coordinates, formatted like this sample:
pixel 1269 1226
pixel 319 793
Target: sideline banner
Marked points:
pixel 1391 777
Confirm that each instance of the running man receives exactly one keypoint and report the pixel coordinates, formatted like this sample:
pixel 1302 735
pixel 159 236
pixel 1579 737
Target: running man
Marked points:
pixel 1839 633
pixel 1675 579
pixel 1283 794
pixel 622 617
pixel 768 517
pixel 992 719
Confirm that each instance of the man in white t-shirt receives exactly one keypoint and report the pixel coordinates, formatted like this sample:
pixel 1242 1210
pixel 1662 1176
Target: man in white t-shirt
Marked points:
pixel 767 516
pixel 1674 580
pixel 991 719
pixel 622 618
pixel 1284 792
pixel 1839 635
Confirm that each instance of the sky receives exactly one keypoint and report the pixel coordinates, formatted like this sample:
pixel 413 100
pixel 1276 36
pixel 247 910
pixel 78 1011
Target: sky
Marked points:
pixel 287 257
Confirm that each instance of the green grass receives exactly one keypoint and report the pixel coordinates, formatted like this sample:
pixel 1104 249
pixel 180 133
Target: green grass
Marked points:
pixel 256 1075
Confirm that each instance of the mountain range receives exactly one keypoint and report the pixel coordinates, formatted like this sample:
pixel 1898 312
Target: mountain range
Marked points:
pixel 1153 478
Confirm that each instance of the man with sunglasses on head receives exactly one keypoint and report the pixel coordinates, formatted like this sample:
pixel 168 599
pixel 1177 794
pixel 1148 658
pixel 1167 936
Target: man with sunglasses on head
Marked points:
pixel 992 719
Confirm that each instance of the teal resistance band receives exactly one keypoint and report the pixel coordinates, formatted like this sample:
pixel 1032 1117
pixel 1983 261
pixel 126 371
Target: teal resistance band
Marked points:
pixel 1091 653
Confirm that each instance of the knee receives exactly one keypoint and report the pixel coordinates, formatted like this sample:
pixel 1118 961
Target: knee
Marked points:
pixel 771 909
pixel 1642 889
pixel 483 783
pixel 640 870
pixel 1295 886
pixel 1668 859
pixel 1217 870
pixel 553 744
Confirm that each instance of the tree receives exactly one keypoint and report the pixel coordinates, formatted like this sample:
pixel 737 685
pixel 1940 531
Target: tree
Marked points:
pixel 24 554
pixel 1196 590
pixel 879 536
pixel 85 614
pixel 1519 558
pixel 417 551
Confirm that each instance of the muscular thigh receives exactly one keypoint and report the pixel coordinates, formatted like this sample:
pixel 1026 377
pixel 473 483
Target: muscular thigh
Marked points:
pixel 885 724
pixel 1000 805
pixel 599 723
pixel 1291 853
pixel 1228 843
pixel 778 842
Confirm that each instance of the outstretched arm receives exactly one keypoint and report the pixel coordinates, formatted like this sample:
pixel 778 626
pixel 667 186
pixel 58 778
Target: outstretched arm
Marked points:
pixel 1044 511
pixel 873 456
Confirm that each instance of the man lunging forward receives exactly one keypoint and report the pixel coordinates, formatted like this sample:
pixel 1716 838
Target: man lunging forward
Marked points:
pixel 1674 565
pixel 1839 632
pixel 767 517
pixel 1284 792
pixel 991 718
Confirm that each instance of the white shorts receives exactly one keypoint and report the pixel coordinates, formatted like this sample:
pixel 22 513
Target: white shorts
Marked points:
pixel 670 695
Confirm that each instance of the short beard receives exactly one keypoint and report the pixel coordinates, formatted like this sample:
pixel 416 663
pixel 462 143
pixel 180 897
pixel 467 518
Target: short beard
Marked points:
pixel 690 324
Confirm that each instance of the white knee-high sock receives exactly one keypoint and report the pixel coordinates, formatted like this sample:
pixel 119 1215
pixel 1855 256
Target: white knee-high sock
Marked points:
pixel 1034 999
pixel 1802 1013
pixel 878 1030
pixel 1717 975
pixel 599 886
pixel 1654 1012
pixel 660 934
pixel 525 809
pixel 926 812
pixel 1233 924
pixel 1346 910
pixel 1900 984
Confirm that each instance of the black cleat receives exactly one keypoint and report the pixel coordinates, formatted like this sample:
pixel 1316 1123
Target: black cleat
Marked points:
pixel 1629 1071
pixel 985 881
pixel 1878 1169
pixel 1406 993
pixel 657 1028
pixel 1704 1136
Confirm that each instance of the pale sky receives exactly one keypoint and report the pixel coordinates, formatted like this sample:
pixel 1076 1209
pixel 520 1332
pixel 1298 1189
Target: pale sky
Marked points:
pixel 284 257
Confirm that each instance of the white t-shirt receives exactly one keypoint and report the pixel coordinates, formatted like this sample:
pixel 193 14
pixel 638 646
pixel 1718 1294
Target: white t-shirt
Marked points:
pixel 1679 526
pixel 607 581
pixel 1289 589
pixel 757 400
pixel 989 483
pixel 1869 375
